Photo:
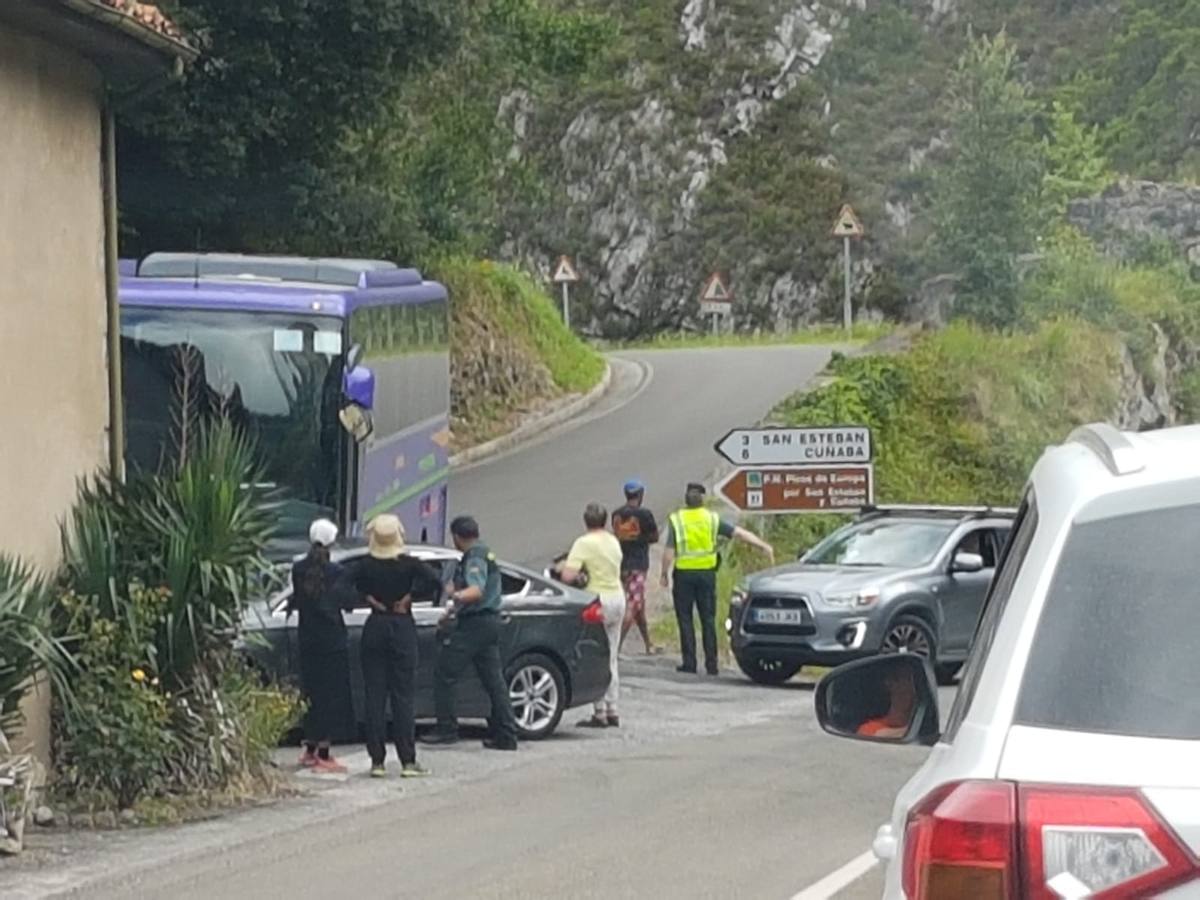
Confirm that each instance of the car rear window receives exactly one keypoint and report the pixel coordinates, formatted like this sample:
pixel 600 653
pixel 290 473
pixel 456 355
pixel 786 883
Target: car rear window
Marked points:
pixel 1118 645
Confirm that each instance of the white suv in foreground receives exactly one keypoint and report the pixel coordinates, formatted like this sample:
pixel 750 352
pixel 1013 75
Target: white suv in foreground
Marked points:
pixel 1069 765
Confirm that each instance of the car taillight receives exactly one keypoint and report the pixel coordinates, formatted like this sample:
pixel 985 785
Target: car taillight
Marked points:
pixel 997 840
pixel 1097 842
pixel 593 613
pixel 960 841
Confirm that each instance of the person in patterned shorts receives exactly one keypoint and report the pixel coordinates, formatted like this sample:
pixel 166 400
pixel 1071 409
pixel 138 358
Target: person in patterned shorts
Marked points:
pixel 636 529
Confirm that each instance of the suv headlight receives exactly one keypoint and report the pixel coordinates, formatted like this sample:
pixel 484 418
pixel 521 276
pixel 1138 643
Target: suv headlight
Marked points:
pixel 737 599
pixel 854 600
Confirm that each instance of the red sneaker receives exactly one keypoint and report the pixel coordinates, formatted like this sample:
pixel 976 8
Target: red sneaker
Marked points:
pixel 330 766
pixel 307 760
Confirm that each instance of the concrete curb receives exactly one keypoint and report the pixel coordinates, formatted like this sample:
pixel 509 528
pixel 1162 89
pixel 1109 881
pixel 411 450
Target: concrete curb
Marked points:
pixel 566 411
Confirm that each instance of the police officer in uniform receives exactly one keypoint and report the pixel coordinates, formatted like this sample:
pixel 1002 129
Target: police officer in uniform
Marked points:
pixel 475 640
pixel 691 551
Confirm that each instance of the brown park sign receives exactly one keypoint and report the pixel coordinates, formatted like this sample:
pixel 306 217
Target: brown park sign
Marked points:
pixel 799 489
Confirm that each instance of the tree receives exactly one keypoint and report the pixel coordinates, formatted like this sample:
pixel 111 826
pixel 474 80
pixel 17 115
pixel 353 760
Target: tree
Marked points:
pixel 1075 165
pixel 226 157
pixel 986 198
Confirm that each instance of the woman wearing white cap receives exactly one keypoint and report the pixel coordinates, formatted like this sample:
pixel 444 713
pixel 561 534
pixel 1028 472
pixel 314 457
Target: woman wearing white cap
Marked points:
pixel 324 657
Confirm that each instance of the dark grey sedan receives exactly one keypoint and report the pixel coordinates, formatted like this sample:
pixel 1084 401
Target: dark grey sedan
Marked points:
pixel 553 645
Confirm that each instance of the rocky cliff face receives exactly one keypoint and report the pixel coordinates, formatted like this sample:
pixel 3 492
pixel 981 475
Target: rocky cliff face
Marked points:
pixel 717 149
pixel 723 135
pixel 1132 213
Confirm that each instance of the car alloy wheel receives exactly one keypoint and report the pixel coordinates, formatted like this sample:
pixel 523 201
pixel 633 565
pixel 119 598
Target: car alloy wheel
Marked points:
pixel 536 691
pixel 909 635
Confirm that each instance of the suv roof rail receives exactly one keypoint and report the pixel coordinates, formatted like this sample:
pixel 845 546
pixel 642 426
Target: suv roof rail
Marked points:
pixel 1112 446
pixel 964 512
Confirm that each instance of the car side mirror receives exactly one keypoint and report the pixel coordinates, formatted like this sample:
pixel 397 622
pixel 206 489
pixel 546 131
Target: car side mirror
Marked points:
pixel 889 699
pixel 967 562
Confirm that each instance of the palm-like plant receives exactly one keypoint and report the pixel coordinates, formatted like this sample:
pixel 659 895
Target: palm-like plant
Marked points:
pixel 198 529
pixel 27 644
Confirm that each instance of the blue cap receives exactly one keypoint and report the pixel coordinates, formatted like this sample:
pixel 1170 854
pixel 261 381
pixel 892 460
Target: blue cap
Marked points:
pixel 633 486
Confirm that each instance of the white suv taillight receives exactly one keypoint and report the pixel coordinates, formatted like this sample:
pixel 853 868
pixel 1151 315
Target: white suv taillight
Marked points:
pixel 996 840
pixel 1096 842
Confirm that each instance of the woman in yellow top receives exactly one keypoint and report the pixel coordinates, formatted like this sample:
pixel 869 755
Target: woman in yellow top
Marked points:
pixel 599 552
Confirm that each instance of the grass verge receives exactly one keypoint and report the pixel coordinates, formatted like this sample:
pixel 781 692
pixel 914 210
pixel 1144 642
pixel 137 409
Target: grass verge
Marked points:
pixel 510 354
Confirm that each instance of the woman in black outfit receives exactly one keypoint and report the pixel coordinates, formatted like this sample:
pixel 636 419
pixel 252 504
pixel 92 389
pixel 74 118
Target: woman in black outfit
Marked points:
pixel 388 579
pixel 324 657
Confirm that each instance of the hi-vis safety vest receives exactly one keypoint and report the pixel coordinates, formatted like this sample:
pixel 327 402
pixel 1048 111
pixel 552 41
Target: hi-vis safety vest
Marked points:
pixel 695 538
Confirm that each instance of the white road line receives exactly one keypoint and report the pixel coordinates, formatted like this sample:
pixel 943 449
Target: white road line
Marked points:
pixel 843 877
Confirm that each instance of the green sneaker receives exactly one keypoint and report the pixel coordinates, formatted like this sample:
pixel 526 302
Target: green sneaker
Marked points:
pixel 378 771
pixel 414 770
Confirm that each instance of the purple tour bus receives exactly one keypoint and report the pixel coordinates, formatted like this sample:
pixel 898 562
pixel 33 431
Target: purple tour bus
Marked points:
pixel 339 369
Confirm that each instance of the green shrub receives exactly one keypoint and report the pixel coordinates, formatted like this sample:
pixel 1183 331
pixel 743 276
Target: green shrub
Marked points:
pixel 195 530
pixel 114 738
pixel 226 728
pixel 26 644
pixel 156 573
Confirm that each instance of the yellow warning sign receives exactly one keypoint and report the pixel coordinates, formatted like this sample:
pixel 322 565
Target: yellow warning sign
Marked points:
pixel 848 224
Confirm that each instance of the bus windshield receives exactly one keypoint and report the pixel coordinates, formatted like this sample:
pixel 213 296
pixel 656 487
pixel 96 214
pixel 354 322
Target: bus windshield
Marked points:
pixel 275 375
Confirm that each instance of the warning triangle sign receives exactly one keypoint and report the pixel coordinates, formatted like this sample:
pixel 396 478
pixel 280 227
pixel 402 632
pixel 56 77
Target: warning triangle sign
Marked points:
pixel 564 272
pixel 716 290
pixel 848 224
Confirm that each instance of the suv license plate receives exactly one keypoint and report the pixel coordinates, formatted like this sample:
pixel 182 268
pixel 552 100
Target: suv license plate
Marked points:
pixel 779 616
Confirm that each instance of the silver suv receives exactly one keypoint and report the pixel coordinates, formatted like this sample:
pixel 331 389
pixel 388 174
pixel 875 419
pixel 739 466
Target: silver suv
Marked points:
pixel 896 580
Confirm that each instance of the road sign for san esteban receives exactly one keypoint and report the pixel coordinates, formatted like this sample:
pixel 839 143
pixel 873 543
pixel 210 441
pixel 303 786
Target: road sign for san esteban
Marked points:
pixel 784 490
pixel 796 446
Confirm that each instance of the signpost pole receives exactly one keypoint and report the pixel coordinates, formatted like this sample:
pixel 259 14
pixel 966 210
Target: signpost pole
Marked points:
pixel 847 311
pixel 566 286
pixel 715 326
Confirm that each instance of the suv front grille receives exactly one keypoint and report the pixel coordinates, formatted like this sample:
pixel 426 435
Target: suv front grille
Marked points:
pixel 778 615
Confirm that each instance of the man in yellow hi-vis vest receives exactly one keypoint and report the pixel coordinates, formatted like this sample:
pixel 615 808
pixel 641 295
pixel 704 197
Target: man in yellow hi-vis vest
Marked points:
pixel 691 549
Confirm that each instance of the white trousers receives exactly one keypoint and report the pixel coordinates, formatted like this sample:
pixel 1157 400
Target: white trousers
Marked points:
pixel 613 605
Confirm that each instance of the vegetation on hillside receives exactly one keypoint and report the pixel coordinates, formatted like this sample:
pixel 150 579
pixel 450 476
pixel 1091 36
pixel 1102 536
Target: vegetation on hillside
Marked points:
pixel 962 416
pixel 408 129
pixel 510 351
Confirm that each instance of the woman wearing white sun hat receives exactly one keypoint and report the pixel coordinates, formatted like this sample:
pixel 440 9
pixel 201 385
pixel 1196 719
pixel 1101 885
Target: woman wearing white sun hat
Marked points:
pixel 388 579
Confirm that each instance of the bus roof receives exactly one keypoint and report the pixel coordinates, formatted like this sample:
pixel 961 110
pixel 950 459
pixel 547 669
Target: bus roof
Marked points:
pixel 232 281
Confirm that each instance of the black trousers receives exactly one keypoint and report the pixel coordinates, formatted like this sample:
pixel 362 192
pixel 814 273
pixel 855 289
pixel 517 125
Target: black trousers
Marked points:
pixel 698 589
pixel 389 661
pixel 475 641
pixel 325 677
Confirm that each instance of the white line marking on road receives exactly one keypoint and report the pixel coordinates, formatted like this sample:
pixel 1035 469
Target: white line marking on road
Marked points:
pixel 843 877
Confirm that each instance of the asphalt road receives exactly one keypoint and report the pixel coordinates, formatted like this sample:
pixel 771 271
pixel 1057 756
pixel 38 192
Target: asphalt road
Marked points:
pixel 712 788
pixel 530 503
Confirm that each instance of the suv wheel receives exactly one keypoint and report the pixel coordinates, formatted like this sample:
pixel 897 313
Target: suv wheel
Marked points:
pixel 537 691
pixel 910 634
pixel 767 671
